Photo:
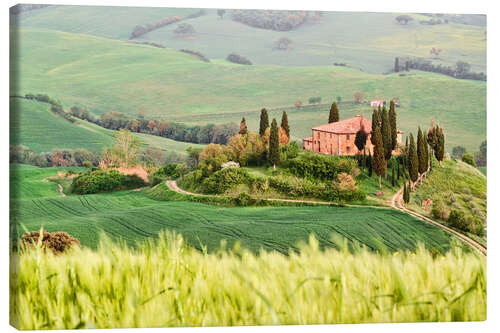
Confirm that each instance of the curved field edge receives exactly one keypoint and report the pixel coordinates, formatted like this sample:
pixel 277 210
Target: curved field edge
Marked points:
pixel 166 283
pixel 133 216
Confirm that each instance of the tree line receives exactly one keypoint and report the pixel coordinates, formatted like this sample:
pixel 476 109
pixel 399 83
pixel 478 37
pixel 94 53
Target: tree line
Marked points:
pixel 114 120
pixel 461 70
pixel 278 20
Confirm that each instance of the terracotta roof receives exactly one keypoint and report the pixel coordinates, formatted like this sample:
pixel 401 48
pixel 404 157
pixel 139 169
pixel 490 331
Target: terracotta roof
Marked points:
pixel 347 126
pixel 308 139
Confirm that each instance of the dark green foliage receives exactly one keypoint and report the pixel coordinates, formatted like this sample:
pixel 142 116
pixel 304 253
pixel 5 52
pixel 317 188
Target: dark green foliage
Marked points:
pixel 169 171
pixel 469 159
pixel 274 150
pixel 413 160
pixel 284 124
pixel 379 163
pixel 264 122
pixel 104 181
pixel 386 135
pixel 440 147
pixel 222 180
pixel 360 140
pixel 393 123
pixel 399 169
pixel 320 167
pixel 376 122
pixel 393 180
pixel 457 220
pixel 370 164
pixel 238 59
pixel 422 158
pixel 334 113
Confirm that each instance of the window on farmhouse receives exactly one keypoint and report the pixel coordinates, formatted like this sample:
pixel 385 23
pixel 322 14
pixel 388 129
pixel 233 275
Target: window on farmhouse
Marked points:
pixel 348 149
pixel 348 137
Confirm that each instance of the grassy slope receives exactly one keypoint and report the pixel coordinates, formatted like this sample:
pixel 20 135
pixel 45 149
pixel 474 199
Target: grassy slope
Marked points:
pixel 453 177
pixel 111 22
pixel 108 75
pixel 133 216
pixel 33 125
pixel 364 40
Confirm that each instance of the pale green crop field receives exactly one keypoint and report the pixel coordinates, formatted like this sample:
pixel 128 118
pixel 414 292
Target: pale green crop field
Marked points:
pixel 104 75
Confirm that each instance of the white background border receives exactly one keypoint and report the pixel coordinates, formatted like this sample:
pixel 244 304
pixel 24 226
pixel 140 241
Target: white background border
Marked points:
pixel 429 6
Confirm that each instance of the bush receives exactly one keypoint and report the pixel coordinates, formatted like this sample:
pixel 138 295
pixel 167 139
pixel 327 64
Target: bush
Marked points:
pixel 238 59
pixel 244 199
pixel 99 181
pixel 457 220
pixel 222 180
pixel 439 210
pixel 322 167
pixel 57 242
pixel 469 159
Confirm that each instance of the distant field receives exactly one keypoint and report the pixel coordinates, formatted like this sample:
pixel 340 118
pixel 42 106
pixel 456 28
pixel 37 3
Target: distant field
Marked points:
pixel 132 216
pixel 90 71
pixel 103 21
pixel 369 41
pixel 33 125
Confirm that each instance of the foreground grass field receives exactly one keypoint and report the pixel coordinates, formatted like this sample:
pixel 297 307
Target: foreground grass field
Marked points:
pixel 33 125
pixel 89 71
pixel 165 283
pixel 134 216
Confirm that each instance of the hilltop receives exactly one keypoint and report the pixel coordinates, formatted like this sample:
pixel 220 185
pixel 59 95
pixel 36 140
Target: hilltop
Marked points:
pixel 103 74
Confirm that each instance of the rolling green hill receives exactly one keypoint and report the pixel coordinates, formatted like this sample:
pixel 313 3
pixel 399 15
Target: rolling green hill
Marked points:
pixel 104 21
pixel 33 125
pixel 103 74
pixel 132 216
pixel 369 41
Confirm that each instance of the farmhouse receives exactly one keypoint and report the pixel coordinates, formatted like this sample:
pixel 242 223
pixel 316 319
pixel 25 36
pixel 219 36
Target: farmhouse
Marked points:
pixel 376 103
pixel 338 138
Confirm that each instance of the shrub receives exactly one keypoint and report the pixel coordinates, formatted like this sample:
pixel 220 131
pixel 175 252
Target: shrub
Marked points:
pixel 99 181
pixel 457 220
pixel 238 59
pixel 222 180
pixel 57 242
pixel 322 167
pixel 469 159
pixel 244 199
pixel 439 210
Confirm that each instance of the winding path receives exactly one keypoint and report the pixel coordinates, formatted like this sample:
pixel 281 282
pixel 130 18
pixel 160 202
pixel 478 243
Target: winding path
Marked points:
pixel 396 203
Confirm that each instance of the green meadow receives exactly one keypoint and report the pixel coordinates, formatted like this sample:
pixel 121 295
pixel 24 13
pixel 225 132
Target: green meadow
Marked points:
pixel 33 125
pixel 368 41
pixel 135 215
pixel 104 75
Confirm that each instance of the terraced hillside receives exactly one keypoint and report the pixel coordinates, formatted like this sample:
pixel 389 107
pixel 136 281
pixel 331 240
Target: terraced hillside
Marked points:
pixel 33 125
pixel 132 216
pixel 369 41
pixel 103 74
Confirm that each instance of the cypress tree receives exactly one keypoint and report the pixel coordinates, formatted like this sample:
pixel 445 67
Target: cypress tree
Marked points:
pixel 405 192
pixel 392 121
pixel 274 149
pixel 334 113
pixel 243 126
pixel 396 65
pixel 422 160
pixel 370 164
pixel 375 123
pixel 412 160
pixel 440 147
pixel 386 135
pixel 284 124
pixel 379 163
pixel 393 181
pixel 264 122
pixel 360 139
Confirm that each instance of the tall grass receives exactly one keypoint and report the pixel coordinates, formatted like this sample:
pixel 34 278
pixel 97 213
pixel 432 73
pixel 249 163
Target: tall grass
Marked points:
pixel 164 282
